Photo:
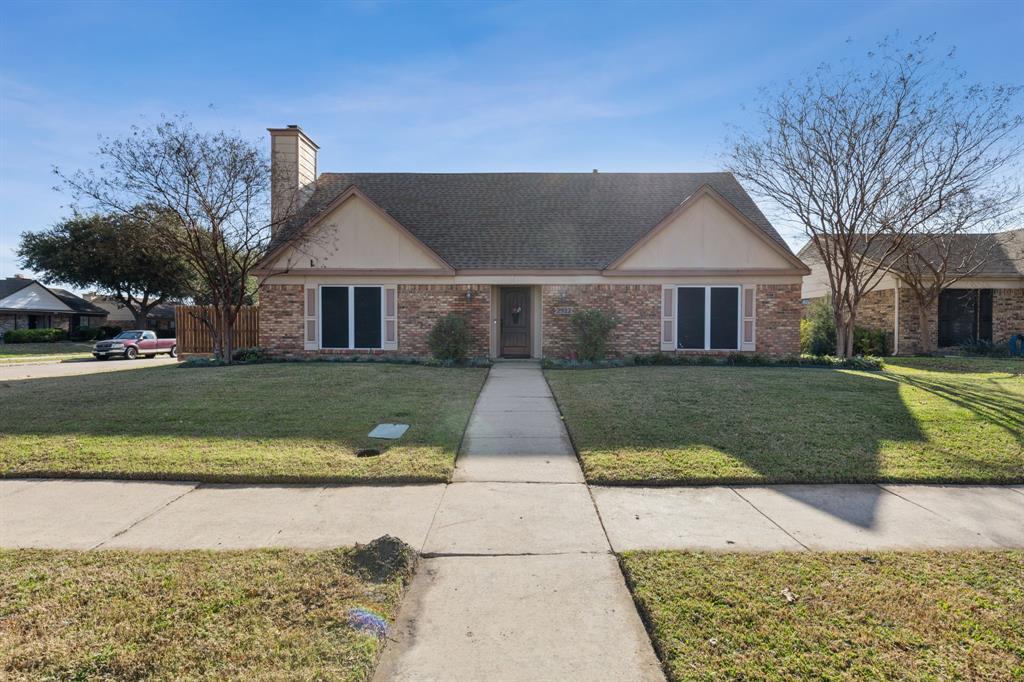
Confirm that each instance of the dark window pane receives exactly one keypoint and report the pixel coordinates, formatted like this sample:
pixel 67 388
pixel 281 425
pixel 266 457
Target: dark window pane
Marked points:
pixel 985 315
pixel 725 310
pixel 334 309
pixel 690 317
pixel 958 316
pixel 367 306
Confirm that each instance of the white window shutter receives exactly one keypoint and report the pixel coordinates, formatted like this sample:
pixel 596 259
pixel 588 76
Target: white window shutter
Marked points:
pixel 668 318
pixel 311 329
pixel 389 302
pixel 749 304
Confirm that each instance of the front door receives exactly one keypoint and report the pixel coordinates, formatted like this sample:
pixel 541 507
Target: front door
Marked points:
pixel 515 322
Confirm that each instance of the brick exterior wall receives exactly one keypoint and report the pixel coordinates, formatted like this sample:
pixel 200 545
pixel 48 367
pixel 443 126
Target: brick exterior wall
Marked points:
pixel 637 307
pixel 910 324
pixel 1007 313
pixel 9 321
pixel 281 309
pixel 421 305
pixel 778 310
pixel 877 312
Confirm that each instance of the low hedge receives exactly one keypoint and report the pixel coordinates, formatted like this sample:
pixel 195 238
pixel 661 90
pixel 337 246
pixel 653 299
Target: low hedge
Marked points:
pixel 248 357
pixel 35 335
pixel 733 359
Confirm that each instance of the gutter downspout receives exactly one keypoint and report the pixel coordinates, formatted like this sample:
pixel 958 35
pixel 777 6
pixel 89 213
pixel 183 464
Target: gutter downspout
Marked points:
pixel 896 319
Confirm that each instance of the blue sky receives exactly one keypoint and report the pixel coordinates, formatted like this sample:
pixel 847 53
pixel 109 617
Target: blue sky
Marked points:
pixel 434 86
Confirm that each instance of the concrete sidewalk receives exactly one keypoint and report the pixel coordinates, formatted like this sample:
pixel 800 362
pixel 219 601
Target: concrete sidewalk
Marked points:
pixel 813 517
pixel 500 517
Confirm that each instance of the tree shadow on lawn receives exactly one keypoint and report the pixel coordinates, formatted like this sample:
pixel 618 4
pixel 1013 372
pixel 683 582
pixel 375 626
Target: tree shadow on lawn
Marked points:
pixel 779 426
pixel 325 410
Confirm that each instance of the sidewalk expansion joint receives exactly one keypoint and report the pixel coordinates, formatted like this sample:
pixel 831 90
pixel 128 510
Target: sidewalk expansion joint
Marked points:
pixel 150 515
pixel 456 555
pixel 773 521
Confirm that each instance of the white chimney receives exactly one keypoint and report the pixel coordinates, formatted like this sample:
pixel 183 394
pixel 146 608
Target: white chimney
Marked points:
pixel 293 171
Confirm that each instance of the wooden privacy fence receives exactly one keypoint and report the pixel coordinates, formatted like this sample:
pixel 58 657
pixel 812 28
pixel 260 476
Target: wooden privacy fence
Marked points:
pixel 193 335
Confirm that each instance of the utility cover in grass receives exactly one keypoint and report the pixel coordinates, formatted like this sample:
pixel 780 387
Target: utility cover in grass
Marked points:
pixel 389 431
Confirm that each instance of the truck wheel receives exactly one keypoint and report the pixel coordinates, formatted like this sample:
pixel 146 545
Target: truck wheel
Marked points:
pixel 131 352
pixel 174 352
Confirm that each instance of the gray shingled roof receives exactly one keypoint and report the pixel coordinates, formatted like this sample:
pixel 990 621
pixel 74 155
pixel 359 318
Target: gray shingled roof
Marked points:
pixel 1001 254
pixel 76 303
pixel 9 285
pixel 529 220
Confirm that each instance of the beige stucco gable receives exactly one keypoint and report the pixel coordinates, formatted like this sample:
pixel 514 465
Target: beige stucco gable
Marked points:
pixel 704 235
pixel 356 235
pixel 34 297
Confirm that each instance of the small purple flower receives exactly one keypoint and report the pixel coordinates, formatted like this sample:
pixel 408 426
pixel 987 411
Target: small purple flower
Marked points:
pixel 368 621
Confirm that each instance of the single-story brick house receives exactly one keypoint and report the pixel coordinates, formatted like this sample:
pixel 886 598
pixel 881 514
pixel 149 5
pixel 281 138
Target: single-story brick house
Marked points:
pixel 28 304
pixel 987 305
pixel 159 319
pixel 686 261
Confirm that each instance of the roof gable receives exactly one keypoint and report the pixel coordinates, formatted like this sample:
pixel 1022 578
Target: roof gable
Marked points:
pixel 508 221
pixel 353 233
pixel 33 297
pixel 706 232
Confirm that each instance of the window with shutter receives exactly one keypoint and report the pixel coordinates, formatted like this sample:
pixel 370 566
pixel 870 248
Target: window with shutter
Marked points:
pixel 390 318
pixel 749 301
pixel 708 317
pixel 668 318
pixel 358 317
pixel 310 341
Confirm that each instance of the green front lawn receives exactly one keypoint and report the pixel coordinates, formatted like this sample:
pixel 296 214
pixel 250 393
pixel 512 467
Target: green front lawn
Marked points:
pixel 29 352
pixel 927 419
pixel 186 615
pixel 271 422
pixel 921 616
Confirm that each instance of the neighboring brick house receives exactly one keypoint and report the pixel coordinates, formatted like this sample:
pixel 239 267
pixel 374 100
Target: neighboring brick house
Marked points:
pixel 28 304
pixel 160 318
pixel 987 305
pixel 370 261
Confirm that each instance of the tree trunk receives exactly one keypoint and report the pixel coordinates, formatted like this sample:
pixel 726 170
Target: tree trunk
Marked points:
pixel 141 318
pixel 925 345
pixel 229 337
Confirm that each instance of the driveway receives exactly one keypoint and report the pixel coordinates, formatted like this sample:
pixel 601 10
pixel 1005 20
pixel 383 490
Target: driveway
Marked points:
pixel 46 370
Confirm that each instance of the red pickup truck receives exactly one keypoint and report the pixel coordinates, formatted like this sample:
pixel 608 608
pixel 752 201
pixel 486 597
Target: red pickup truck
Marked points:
pixel 132 344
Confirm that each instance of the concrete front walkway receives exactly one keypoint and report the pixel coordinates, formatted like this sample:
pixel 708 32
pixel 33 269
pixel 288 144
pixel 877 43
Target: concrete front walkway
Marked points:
pixel 518 582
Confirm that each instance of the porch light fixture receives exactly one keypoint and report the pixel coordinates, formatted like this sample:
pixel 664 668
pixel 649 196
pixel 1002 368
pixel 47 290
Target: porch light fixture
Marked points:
pixel 469 294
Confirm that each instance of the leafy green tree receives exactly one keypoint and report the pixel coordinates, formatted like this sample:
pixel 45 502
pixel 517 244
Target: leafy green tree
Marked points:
pixel 113 254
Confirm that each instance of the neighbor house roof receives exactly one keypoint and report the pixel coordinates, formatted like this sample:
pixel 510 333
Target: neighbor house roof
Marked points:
pixel 12 285
pixel 9 285
pixel 527 220
pixel 989 255
pixel 76 303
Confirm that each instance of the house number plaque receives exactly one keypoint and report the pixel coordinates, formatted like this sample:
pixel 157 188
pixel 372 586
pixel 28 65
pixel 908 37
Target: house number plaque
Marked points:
pixel 564 310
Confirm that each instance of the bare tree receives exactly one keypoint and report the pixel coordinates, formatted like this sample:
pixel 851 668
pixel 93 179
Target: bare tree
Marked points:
pixel 216 184
pixel 947 250
pixel 863 159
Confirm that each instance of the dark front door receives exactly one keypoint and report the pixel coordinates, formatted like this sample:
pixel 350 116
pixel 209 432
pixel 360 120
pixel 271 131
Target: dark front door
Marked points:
pixel 515 322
